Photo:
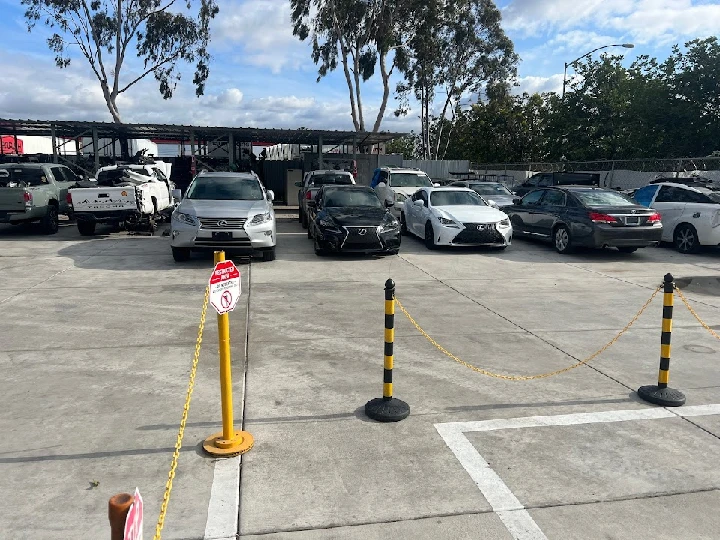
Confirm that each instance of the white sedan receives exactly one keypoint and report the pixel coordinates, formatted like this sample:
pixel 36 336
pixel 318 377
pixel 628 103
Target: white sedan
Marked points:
pixel 455 216
pixel 690 215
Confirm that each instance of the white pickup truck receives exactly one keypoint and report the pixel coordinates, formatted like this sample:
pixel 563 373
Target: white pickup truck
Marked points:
pixel 132 197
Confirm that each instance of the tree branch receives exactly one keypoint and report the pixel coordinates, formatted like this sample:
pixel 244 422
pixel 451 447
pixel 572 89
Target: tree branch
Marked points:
pixel 148 71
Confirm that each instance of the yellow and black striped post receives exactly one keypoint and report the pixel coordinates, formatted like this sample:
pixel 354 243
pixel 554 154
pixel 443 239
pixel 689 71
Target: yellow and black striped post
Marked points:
pixel 661 394
pixel 388 408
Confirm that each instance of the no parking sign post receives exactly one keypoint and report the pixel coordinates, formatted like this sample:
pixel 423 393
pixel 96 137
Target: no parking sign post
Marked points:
pixel 224 293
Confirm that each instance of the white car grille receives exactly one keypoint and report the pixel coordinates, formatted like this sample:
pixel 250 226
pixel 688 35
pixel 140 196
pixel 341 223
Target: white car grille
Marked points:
pixel 222 223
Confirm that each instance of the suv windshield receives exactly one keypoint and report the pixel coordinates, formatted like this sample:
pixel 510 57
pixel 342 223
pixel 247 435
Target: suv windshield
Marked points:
pixel 330 178
pixel 490 189
pixel 603 198
pixel 225 188
pixel 351 197
pixel 455 198
pixel 27 176
pixel 410 180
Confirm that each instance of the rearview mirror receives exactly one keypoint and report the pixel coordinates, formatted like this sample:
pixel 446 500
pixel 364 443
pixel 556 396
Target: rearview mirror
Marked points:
pixel 270 195
pixel 492 203
pixel 298 184
pixel 436 184
pixel 177 194
pixel 389 204
pixel 419 202
pixel 311 204
pixel 517 201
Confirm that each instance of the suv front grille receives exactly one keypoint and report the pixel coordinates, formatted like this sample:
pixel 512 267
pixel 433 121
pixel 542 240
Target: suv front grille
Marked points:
pixel 222 223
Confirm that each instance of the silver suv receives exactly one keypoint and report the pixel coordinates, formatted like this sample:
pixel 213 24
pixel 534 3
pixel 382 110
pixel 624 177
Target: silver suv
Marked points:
pixel 224 210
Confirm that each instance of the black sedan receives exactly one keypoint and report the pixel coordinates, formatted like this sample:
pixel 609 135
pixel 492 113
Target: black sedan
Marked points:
pixel 353 219
pixel 584 216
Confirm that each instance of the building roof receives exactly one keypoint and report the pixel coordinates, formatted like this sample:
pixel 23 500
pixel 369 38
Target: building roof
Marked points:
pixel 108 130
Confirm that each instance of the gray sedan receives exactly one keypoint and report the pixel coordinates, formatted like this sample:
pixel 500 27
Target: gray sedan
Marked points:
pixel 490 191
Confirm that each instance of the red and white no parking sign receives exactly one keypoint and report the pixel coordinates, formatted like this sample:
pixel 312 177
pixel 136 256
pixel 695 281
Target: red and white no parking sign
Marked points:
pixel 224 287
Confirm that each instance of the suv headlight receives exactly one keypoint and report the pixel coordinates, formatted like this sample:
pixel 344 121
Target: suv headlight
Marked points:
pixel 448 222
pixel 327 223
pixel 261 218
pixel 187 219
pixel 505 223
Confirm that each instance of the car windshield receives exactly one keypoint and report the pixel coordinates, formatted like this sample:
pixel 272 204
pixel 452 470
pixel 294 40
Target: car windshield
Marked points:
pixel 27 176
pixel 351 197
pixel 410 180
pixel 331 178
pixel 603 198
pixel 455 198
pixel 221 188
pixel 490 189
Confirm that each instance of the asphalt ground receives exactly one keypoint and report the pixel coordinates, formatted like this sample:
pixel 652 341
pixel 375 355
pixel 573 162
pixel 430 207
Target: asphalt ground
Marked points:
pixel 97 338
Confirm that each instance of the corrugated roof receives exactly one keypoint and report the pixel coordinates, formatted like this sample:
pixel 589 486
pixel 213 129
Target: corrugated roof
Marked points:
pixel 71 129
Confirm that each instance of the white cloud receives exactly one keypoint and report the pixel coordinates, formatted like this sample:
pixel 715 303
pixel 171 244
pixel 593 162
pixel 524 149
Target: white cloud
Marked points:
pixel 263 29
pixel 642 21
pixel 532 84
pixel 35 89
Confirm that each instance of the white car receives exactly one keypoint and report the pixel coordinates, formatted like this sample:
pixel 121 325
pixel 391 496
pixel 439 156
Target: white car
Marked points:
pixel 455 216
pixel 397 184
pixel 224 210
pixel 690 215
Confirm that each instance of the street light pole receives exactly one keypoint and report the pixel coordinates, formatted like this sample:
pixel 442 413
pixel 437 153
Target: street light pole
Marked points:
pixel 568 64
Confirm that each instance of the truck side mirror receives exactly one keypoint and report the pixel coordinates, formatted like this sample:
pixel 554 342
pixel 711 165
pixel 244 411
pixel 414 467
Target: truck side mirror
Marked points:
pixel 177 194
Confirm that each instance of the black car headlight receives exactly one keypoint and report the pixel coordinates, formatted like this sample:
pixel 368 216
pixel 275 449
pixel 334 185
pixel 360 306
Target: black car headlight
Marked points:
pixel 389 224
pixel 329 224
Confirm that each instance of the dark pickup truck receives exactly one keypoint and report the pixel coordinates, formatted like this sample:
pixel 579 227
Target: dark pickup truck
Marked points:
pixel 557 179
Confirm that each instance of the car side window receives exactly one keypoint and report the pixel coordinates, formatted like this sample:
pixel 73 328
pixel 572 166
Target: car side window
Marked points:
pixel 553 197
pixel 532 198
pixel 668 194
pixel 695 197
pixel 533 181
pixel 59 174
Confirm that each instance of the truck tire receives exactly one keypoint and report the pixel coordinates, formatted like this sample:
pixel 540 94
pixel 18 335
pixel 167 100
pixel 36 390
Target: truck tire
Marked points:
pixel 50 222
pixel 86 228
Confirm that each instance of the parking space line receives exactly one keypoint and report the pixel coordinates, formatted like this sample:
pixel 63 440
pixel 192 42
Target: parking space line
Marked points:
pixel 222 519
pixel 503 501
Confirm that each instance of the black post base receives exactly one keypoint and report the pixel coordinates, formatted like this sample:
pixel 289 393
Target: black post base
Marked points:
pixel 667 397
pixel 387 410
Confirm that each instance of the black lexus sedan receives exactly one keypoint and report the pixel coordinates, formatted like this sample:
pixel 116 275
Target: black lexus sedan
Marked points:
pixel 353 219
pixel 584 216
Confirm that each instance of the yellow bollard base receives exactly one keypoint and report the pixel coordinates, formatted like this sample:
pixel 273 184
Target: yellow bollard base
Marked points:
pixel 215 445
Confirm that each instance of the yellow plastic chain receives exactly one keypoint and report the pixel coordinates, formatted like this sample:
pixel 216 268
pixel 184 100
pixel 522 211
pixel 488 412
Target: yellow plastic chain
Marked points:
pixel 694 313
pixel 526 377
pixel 183 421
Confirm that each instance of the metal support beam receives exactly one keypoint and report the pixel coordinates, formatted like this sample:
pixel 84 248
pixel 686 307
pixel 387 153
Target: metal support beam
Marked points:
pixel 355 147
pixel 54 143
pixel 15 139
pixel 96 154
pixel 320 152
pixel 231 149
pixel 192 143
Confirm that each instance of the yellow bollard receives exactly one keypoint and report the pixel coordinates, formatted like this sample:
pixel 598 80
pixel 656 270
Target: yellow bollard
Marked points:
pixel 228 442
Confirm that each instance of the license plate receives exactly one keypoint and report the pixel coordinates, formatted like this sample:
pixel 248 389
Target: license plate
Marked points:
pixel 632 220
pixel 222 235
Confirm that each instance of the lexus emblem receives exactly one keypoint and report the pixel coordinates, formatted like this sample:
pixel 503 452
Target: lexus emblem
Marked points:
pixel 481 227
pixel 362 232
pixel 222 223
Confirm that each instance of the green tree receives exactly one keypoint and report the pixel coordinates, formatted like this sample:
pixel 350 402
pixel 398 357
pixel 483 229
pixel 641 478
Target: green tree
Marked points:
pixel 406 146
pixel 453 48
pixel 358 34
pixel 162 34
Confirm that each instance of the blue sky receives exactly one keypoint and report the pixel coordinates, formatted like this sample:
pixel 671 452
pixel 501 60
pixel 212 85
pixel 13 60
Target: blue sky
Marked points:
pixel 263 76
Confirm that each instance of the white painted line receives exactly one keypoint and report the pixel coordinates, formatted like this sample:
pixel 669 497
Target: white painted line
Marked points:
pixel 503 501
pixel 222 519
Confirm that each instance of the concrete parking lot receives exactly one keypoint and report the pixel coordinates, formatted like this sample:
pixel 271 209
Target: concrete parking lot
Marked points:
pixel 97 338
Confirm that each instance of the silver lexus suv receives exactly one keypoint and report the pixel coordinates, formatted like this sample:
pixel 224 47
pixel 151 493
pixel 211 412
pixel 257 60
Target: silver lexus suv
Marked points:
pixel 224 211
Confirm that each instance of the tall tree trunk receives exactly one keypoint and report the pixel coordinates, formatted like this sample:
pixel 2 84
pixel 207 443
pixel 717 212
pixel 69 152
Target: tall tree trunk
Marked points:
pixel 386 91
pixel 356 73
pixel 348 79
pixel 110 99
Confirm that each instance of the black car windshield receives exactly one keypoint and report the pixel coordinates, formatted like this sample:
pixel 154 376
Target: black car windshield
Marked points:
pixel 455 198
pixel 221 188
pixel 603 198
pixel 410 180
pixel 490 189
pixel 330 178
pixel 351 197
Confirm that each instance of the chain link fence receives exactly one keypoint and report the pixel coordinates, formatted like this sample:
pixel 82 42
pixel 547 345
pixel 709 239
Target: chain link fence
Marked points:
pixel 622 174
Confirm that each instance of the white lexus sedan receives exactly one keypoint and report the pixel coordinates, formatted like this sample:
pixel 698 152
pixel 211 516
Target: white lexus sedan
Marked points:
pixel 454 216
